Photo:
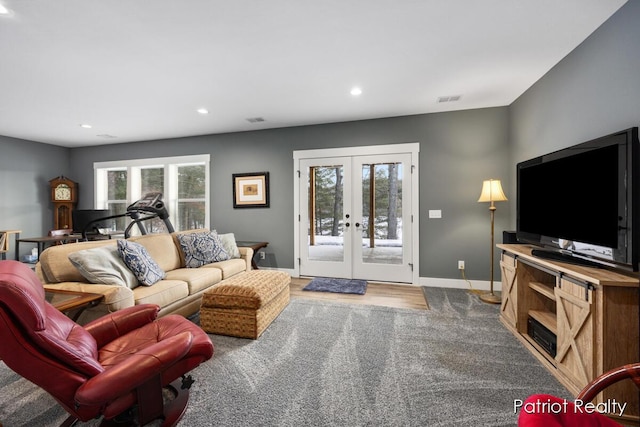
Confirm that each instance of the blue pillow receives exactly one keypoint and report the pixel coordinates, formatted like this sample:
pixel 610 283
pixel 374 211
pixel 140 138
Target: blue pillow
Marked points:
pixel 202 248
pixel 138 260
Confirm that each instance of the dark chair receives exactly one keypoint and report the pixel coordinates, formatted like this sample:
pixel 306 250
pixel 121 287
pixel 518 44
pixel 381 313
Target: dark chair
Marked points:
pixel 114 367
pixel 4 245
pixel 4 242
pixel 556 414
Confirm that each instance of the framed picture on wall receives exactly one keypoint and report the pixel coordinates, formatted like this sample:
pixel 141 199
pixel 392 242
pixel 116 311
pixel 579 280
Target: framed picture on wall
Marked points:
pixel 251 190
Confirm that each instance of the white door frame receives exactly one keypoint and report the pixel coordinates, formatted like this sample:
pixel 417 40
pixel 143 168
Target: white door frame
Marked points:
pixel 410 148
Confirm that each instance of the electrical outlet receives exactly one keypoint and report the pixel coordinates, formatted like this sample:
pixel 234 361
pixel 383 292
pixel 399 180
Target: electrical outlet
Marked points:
pixel 262 255
pixel 460 265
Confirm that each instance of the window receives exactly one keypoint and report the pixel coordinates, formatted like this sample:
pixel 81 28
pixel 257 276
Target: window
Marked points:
pixel 183 181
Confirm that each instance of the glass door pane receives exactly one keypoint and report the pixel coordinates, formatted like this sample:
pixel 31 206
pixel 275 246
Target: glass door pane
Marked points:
pixel 382 213
pixel 325 232
pixel 382 202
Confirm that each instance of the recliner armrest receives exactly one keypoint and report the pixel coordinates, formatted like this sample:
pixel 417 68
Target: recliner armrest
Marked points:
pixel 134 371
pixel 109 327
pixel 591 390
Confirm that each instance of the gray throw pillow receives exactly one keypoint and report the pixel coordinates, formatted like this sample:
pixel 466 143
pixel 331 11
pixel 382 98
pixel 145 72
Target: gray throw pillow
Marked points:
pixel 103 265
pixel 229 244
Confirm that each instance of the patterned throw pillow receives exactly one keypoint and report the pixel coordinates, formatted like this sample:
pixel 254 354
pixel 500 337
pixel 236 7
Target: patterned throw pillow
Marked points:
pixel 202 248
pixel 138 260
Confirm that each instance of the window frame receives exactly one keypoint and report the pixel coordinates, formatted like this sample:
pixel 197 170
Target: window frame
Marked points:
pixel 170 184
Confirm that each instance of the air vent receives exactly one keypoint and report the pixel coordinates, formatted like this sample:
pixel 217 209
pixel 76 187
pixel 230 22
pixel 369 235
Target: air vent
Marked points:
pixel 452 98
pixel 255 119
pixel 106 136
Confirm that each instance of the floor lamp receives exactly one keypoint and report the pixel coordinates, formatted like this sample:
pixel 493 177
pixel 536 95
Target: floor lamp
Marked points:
pixel 491 192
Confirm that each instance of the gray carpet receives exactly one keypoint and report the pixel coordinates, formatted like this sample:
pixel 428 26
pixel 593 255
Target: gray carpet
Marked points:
pixel 332 364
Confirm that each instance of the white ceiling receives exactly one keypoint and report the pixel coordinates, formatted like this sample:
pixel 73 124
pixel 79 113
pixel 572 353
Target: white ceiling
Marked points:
pixel 138 69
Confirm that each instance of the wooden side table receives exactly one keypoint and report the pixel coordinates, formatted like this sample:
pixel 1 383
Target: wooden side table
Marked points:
pixel 72 303
pixel 256 246
pixel 43 241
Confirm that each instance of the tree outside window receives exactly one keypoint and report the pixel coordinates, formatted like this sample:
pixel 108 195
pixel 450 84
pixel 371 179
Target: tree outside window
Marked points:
pixel 191 197
pixel 117 196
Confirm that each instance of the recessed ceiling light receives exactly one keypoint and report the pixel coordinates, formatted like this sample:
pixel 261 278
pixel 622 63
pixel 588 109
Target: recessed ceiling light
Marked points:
pixel 3 10
pixel 202 111
pixel 85 125
pixel 356 91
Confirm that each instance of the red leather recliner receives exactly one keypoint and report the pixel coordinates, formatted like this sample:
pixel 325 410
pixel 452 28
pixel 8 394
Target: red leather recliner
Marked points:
pixel 545 410
pixel 105 368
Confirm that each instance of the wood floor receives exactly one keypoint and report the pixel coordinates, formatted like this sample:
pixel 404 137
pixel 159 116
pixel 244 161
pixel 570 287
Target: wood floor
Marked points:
pixel 383 294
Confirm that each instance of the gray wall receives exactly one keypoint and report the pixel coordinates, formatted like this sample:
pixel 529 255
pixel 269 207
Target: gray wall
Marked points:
pixel 25 170
pixel 457 151
pixel 593 91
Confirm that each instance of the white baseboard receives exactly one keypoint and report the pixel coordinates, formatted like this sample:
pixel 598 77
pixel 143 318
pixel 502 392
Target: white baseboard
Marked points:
pixel 483 285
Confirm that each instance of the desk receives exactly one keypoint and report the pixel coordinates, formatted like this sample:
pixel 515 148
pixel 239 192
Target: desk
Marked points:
pixel 70 301
pixel 42 241
pixel 256 246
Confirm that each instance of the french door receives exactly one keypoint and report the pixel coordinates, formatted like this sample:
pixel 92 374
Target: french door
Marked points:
pixel 356 217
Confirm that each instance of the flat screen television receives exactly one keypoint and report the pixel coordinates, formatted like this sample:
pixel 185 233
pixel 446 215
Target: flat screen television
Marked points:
pixel 580 204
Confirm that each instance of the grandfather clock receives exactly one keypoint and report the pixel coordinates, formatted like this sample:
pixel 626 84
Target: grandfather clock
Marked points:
pixel 64 198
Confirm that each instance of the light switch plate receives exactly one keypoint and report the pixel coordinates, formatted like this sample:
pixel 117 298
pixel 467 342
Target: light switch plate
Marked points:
pixel 435 213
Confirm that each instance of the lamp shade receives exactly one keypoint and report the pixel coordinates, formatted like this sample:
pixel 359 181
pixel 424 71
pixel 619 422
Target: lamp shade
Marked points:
pixel 492 191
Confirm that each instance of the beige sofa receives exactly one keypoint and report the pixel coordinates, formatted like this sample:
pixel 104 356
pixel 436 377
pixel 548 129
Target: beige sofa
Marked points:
pixel 179 292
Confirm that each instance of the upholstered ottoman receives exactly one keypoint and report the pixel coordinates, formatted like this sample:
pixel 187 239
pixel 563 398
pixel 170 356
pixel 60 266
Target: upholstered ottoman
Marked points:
pixel 245 305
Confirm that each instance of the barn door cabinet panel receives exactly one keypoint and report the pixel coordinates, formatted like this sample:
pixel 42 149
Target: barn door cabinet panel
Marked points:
pixel 575 355
pixel 508 308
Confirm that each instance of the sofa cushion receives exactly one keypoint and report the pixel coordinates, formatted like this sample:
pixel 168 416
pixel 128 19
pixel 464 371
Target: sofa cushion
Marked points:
pixel 229 268
pixel 162 293
pixel 197 278
pixel 103 265
pixel 201 248
pixel 139 261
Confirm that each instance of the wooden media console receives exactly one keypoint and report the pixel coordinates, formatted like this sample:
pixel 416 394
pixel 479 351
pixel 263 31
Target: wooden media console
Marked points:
pixel 579 322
